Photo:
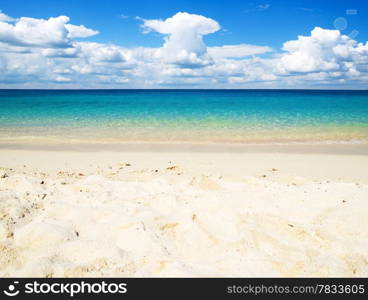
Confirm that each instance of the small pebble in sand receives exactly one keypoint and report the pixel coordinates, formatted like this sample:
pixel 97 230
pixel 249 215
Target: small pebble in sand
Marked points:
pixel 42 182
pixel 274 170
pixel 4 175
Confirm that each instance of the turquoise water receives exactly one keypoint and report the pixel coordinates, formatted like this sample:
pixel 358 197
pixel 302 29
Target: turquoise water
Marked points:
pixel 183 115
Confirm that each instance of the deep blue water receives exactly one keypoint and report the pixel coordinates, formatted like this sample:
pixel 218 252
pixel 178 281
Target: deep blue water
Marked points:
pixel 226 115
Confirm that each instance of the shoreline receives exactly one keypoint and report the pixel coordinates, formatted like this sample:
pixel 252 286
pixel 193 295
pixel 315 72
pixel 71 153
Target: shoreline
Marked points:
pixel 342 148
pixel 321 162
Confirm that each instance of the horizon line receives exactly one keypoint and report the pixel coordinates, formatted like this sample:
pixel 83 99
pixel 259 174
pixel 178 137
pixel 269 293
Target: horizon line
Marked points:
pixel 176 89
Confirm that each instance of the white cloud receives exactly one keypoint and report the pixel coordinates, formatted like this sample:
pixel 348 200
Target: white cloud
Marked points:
pixel 36 32
pixel 264 6
pixel 232 51
pixel 62 79
pixel 44 53
pixel 99 53
pixel 184 38
pixel 5 18
pixel 63 52
pixel 323 50
pixel 51 33
pixel 79 31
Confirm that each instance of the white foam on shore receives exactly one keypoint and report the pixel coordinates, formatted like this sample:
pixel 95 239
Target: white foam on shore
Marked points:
pixel 181 226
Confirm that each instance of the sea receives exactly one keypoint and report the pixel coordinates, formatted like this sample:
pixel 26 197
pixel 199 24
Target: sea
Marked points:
pixel 183 116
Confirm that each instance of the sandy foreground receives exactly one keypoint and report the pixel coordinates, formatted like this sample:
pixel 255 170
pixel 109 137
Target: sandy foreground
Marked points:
pixel 288 211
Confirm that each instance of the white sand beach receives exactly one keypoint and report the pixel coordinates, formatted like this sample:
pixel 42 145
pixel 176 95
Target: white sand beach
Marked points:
pixel 206 211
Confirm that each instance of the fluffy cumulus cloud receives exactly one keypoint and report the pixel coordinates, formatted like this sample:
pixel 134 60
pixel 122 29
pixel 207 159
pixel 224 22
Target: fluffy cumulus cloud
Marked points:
pixel 56 53
pixel 38 32
pixel 323 51
pixel 184 33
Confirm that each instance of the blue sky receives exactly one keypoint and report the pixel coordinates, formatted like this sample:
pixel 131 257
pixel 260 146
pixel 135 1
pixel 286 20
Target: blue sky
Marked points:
pixel 261 23
pixel 254 22
pixel 243 21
